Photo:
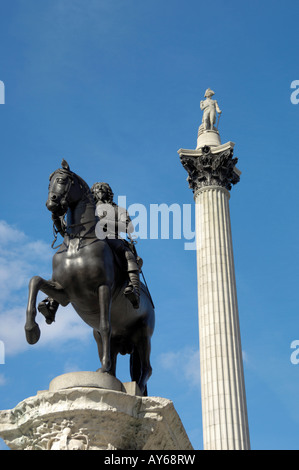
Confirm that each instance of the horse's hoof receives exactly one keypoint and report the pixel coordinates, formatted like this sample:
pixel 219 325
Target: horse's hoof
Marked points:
pixel 48 310
pixel 106 368
pixel 32 334
pixel 105 371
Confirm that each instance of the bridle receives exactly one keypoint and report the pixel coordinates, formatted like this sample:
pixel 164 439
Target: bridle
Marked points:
pixel 64 201
pixel 64 196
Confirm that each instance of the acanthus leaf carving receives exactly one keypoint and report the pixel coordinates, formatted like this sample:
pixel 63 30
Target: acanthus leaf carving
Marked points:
pixel 211 169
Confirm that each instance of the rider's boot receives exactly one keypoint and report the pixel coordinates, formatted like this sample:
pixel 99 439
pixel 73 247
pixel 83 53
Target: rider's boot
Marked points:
pixel 132 291
pixel 48 307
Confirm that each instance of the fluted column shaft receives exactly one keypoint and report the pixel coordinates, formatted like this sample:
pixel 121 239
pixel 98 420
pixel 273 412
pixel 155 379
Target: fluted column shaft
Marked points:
pixel 225 424
pixel 211 174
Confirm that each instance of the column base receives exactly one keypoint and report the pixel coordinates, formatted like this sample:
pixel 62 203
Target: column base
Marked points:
pixel 84 417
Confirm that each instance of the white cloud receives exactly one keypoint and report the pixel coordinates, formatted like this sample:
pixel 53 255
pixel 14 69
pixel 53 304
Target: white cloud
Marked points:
pixel 12 330
pixel 9 234
pixel 68 326
pixel 69 366
pixel 20 259
pixel 184 363
pixel 3 380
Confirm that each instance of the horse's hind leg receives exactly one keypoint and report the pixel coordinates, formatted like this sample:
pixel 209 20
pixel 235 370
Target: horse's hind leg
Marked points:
pixel 135 366
pixel 50 288
pixel 105 326
pixel 113 353
pixel 144 351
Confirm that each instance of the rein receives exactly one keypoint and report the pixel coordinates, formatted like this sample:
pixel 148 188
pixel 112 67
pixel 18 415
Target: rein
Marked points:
pixel 55 233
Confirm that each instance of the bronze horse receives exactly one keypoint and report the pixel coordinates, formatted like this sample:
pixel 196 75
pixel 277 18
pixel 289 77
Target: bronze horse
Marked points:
pixel 87 275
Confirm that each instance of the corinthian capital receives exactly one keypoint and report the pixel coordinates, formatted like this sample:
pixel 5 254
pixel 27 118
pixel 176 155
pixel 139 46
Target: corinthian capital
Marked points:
pixel 210 166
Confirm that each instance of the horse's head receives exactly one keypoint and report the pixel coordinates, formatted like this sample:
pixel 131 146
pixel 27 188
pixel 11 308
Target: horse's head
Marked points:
pixel 65 189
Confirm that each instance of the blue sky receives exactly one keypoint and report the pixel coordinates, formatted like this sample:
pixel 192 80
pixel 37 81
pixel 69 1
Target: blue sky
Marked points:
pixel 114 88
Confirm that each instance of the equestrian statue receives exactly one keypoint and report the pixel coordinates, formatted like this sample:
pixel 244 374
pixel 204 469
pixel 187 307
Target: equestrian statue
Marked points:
pixel 97 271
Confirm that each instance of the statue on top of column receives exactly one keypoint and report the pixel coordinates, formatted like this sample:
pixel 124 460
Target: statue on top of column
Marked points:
pixel 209 108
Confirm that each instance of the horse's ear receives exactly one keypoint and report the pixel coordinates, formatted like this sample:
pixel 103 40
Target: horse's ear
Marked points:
pixel 65 165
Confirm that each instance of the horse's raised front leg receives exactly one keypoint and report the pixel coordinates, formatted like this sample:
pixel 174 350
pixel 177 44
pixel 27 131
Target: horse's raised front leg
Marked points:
pixel 105 326
pixel 50 288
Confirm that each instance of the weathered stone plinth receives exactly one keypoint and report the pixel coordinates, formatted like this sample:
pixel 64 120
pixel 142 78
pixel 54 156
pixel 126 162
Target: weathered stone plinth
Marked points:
pixel 92 418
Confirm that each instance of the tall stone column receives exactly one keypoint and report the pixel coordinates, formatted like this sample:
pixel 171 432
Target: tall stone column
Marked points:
pixel 211 174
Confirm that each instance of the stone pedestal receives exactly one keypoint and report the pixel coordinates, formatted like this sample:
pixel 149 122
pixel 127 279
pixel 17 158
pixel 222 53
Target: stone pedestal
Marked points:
pixel 208 137
pixel 212 172
pixel 70 416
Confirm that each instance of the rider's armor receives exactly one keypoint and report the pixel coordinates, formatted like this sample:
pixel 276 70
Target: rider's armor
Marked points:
pixel 113 223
